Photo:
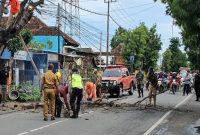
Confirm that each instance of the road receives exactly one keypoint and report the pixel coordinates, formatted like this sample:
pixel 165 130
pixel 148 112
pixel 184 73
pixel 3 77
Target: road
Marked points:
pixel 107 121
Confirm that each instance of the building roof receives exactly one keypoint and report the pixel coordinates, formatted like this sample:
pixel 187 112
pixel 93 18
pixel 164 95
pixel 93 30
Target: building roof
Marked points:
pixel 39 28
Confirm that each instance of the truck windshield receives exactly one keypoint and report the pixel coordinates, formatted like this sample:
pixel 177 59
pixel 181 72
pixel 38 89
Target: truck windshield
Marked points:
pixel 112 73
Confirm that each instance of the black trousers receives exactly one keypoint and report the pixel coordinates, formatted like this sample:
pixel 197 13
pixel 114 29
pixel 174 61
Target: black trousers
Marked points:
pixel 197 91
pixel 140 90
pixel 58 107
pixel 76 96
pixel 186 89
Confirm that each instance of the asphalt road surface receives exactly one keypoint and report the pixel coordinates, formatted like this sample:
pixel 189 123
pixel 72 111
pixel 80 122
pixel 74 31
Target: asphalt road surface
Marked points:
pixel 109 121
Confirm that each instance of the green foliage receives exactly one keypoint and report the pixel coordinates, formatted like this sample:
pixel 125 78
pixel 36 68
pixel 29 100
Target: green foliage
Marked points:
pixel 144 44
pixel 187 14
pixel 152 50
pixel 117 38
pixel 173 57
pixel 26 35
pixel 15 45
pixel 32 94
pixel 167 59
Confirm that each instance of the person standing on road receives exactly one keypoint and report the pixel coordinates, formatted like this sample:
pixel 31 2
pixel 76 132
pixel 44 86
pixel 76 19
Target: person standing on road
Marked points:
pixel 77 92
pixel 152 79
pixel 96 79
pixel 140 78
pixel 197 85
pixel 187 81
pixel 49 86
pixel 62 91
pixel 4 73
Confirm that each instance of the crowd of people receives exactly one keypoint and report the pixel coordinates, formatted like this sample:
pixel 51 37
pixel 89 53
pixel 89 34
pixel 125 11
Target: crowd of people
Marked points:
pixel 158 82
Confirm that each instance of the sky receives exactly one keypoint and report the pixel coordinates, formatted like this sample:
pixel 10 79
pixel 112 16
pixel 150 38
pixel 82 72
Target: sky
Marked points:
pixel 127 13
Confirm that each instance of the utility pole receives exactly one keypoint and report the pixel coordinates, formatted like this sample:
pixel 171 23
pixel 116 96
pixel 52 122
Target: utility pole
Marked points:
pixel 100 47
pixel 58 21
pixel 108 24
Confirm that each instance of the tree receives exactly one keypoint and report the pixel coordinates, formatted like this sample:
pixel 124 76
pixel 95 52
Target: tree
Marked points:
pixel 117 38
pixel 135 42
pixel 144 44
pixel 167 60
pixel 173 57
pixel 152 49
pixel 9 34
pixel 187 16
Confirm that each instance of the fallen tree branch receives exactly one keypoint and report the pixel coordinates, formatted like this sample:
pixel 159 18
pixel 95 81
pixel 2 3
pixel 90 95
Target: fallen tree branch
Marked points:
pixel 140 101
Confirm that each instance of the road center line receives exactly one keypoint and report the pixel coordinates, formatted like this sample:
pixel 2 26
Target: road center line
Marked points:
pixel 46 126
pixel 166 115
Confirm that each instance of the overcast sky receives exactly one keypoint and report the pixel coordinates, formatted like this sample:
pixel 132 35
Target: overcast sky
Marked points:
pixel 128 14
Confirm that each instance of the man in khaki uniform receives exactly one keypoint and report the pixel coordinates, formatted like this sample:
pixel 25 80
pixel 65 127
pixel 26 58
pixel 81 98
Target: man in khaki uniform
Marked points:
pixel 49 86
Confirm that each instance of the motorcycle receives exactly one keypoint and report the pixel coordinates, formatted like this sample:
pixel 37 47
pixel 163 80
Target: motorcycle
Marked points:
pixel 160 87
pixel 174 86
pixel 165 82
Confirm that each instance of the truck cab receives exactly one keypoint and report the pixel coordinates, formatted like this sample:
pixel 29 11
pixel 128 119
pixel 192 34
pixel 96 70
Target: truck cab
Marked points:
pixel 116 80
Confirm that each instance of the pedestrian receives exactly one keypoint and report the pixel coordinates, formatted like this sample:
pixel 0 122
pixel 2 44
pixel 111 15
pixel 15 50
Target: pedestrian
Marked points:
pixel 140 78
pixel 14 10
pixel 61 92
pixel 197 85
pixel 49 86
pixel 77 92
pixel 186 82
pixel 152 79
pixel 4 73
pixel 90 91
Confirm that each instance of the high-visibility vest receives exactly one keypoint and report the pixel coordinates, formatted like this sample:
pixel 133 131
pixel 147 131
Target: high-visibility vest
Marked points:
pixel 76 81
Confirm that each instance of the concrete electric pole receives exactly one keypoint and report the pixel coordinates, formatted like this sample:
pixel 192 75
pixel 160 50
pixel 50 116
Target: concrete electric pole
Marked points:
pixel 108 24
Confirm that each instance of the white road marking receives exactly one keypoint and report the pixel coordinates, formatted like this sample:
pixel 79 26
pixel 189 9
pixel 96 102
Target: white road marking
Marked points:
pixel 46 126
pixel 166 115
pixel 23 133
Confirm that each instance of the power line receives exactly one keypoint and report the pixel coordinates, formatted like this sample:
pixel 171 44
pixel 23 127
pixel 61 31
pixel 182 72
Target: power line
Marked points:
pixel 132 7
pixel 115 22
pixel 93 12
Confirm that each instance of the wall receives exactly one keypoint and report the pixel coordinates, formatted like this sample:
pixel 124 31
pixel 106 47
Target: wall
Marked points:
pixel 54 39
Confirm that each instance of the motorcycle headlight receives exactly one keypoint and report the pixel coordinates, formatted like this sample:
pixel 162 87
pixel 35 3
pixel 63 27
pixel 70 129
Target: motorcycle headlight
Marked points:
pixel 115 83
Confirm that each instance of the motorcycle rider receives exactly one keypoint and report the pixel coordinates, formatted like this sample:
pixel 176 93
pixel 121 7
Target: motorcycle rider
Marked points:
pixel 160 81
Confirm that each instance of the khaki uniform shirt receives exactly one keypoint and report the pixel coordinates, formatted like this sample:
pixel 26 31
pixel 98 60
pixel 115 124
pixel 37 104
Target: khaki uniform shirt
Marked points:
pixel 49 80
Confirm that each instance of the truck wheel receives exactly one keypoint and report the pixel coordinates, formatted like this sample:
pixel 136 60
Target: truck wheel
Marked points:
pixel 130 92
pixel 120 91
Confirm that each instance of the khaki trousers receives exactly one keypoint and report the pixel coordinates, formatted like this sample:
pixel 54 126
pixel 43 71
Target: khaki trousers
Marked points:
pixel 49 97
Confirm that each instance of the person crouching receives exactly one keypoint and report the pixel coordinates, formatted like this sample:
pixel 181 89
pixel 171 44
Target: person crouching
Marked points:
pixel 90 91
pixel 61 92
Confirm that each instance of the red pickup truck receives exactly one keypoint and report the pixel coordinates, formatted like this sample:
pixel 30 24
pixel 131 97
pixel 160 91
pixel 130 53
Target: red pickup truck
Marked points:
pixel 116 80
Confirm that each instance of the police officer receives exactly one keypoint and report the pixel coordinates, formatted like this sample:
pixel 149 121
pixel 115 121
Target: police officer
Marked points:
pixel 77 92
pixel 49 86
pixel 140 77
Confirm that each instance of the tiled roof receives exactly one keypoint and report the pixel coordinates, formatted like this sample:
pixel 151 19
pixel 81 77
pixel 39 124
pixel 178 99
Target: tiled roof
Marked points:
pixel 39 28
